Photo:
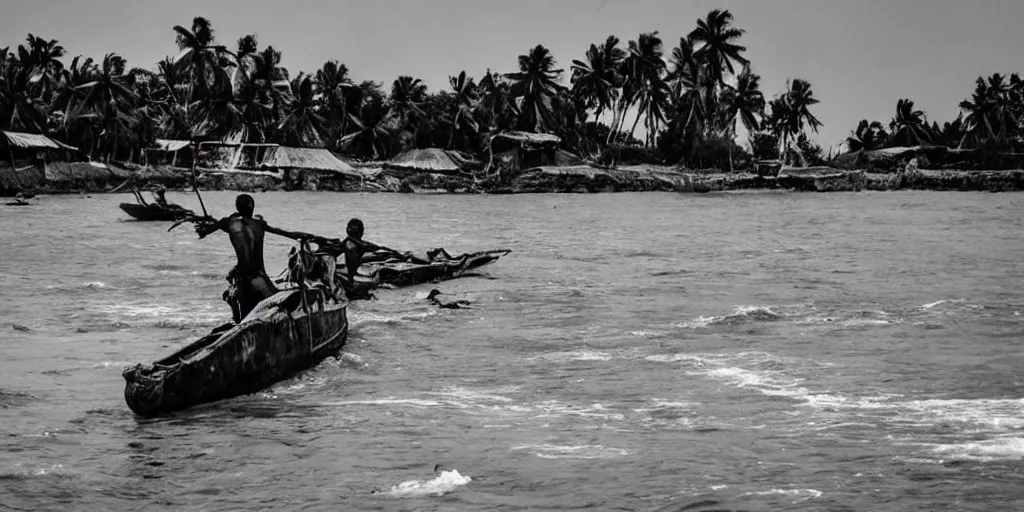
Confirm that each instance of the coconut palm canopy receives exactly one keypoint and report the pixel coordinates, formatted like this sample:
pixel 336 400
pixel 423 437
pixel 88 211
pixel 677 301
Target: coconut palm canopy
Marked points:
pixel 691 92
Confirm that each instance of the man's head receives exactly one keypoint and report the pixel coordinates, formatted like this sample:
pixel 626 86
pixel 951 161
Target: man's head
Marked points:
pixel 355 229
pixel 245 204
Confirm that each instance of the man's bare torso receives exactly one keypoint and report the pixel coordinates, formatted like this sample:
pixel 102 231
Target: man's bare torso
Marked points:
pixel 247 238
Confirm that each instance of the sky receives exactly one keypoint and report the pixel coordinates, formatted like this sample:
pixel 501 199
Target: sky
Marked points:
pixel 859 56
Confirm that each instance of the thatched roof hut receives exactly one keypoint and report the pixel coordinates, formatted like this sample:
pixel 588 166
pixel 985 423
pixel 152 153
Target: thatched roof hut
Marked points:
pixel 521 150
pixel 169 152
pixel 24 159
pixel 283 158
pixel 432 160
pixel 32 141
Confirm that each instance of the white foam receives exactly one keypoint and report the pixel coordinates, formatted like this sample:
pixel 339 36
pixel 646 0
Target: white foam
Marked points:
pixel 1003 448
pixel 164 315
pixel 365 318
pixel 999 414
pixel 55 468
pixel 576 355
pixel 645 334
pixel 553 451
pixel 555 409
pixel 810 493
pixel 444 483
pixel 411 402
pixel 739 314
pixel 932 305
pixel 458 394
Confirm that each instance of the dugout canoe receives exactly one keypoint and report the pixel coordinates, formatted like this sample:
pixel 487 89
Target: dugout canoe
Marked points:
pixel 277 340
pixel 153 212
pixel 400 273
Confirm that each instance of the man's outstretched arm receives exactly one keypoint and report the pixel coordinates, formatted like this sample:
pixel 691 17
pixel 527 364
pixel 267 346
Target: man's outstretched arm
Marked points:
pixel 205 227
pixel 294 235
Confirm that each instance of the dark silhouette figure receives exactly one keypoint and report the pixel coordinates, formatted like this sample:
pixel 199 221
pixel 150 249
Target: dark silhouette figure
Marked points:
pixel 455 304
pixel 248 280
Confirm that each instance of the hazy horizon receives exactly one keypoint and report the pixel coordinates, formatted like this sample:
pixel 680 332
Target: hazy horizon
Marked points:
pixel 860 57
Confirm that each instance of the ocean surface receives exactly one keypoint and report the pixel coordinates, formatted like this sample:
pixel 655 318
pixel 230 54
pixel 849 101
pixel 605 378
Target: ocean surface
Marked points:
pixel 738 351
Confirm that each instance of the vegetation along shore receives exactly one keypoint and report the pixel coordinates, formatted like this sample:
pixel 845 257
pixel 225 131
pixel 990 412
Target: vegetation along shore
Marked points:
pixel 242 121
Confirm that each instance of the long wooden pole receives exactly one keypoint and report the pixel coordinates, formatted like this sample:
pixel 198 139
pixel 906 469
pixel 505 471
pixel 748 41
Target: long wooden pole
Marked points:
pixel 195 179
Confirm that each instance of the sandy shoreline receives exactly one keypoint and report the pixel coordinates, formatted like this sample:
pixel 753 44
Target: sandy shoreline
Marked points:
pixel 578 179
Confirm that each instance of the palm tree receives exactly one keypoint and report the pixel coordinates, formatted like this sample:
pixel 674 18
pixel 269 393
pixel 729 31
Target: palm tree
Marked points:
pixel 644 68
pixel 594 81
pixel 497 107
pixel 199 55
pixel 336 90
pixel 407 97
pixel 67 94
pixel 218 115
pixel 535 85
pixel 951 133
pixel 109 100
pixel 909 127
pixel 270 79
pixel 20 108
pixel 374 128
pixel 745 103
pixel 43 58
pixel 991 111
pixel 246 51
pixel 108 87
pixel 692 92
pixel 301 124
pixel 792 112
pixel 463 101
pixel 867 136
pixel 718 47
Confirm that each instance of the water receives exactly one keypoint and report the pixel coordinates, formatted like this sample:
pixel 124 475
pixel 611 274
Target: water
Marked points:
pixel 765 351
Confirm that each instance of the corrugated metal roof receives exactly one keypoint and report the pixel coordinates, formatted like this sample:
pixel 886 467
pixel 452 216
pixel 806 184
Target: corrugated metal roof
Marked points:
pixel 34 141
pixel 170 145
pixel 307 158
pixel 429 160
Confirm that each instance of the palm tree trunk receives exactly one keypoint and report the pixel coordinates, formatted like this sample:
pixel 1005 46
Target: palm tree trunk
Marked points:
pixel 635 122
pixel 623 108
pixel 615 122
pixel 615 119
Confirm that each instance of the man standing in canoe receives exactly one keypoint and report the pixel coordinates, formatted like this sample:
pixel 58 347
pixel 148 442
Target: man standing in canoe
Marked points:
pixel 249 283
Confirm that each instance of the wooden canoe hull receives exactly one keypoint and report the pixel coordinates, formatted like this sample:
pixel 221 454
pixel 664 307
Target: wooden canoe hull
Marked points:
pixel 409 274
pixel 381 269
pixel 268 346
pixel 151 212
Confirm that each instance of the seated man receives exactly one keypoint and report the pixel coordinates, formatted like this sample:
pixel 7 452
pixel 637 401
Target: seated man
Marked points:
pixel 353 247
pixel 158 196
